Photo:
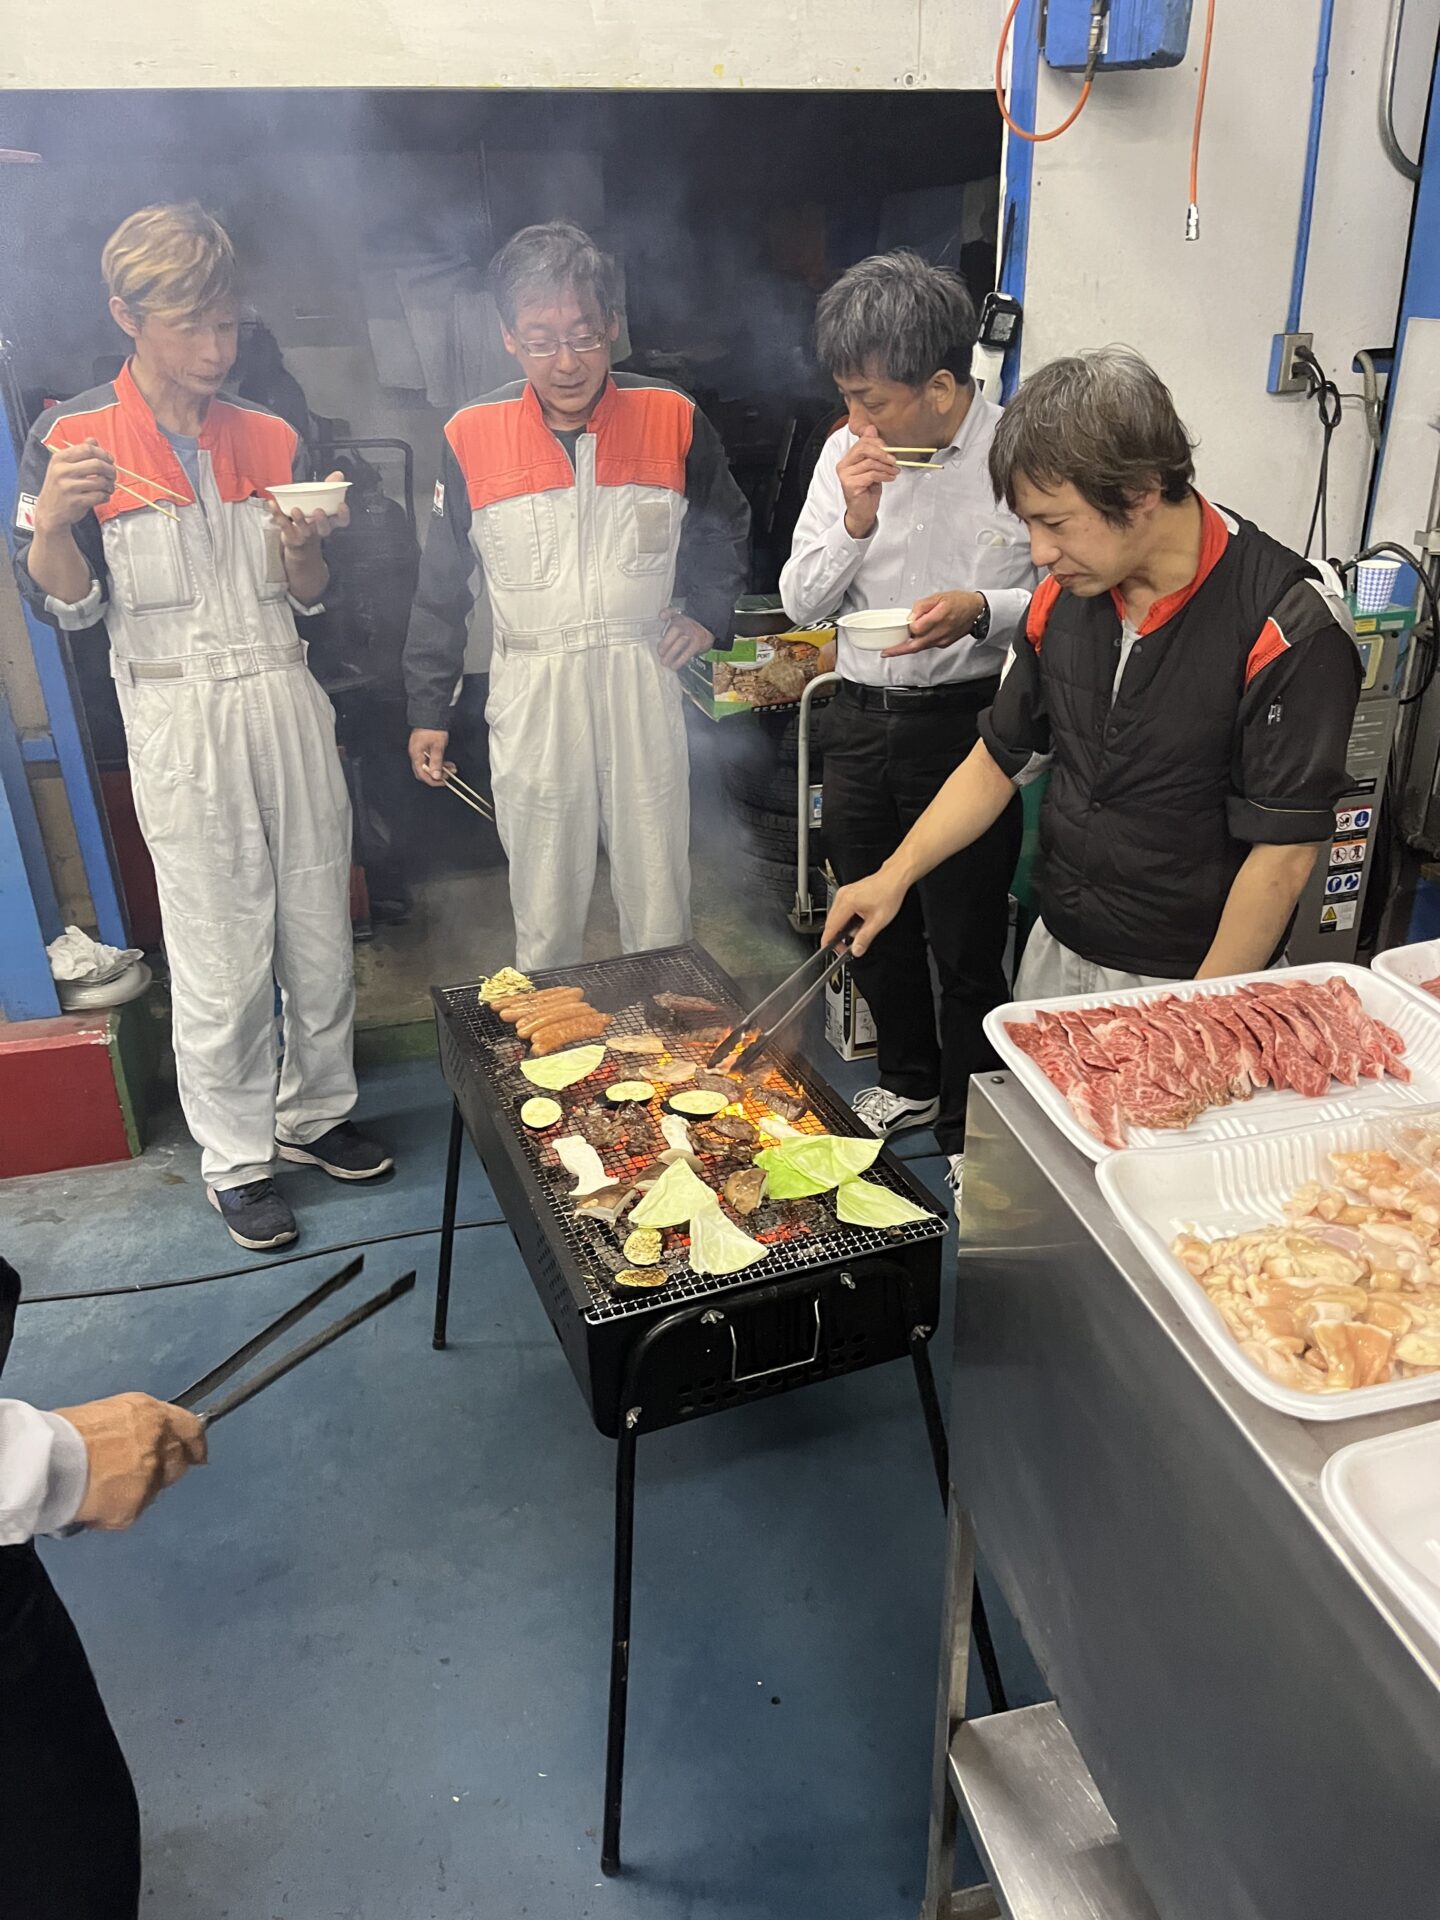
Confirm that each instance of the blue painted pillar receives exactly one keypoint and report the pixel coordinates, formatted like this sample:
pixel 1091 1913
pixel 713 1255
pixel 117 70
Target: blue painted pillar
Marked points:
pixel 29 915
pixel 71 742
pixel 1019 170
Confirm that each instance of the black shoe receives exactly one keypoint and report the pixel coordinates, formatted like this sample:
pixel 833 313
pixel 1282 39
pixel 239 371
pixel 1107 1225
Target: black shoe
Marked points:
pixel 255 1215
pixel 342 1152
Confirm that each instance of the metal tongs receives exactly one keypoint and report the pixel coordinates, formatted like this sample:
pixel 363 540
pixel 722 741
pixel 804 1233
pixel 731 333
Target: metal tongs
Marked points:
pixel 296 1356
pixel 477 802
pixel 796 990
pixel 287 1362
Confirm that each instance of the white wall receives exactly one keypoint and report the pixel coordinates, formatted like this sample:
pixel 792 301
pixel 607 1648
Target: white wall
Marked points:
pixel 496 43
pixel 1109 261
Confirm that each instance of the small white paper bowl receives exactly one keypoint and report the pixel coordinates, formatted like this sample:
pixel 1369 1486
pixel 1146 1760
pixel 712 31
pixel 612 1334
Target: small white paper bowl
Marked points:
pixel 877 627
pixel 310 496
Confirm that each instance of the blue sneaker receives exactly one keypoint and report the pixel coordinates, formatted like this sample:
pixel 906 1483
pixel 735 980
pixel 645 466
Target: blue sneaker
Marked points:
pixel 342 1152
pixel 255 1216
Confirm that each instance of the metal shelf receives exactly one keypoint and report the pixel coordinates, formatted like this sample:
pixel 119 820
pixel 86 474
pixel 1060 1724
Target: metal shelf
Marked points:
pixel 1045 1836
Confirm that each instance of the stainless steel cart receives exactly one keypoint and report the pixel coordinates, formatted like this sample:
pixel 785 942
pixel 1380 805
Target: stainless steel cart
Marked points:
pixel 1238 1696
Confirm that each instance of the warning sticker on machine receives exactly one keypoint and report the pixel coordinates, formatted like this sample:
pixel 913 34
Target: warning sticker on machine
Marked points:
pixel 25 513
pixel 1354 820
pixel 1348 853
pixel 1341 883
pixel 1337 918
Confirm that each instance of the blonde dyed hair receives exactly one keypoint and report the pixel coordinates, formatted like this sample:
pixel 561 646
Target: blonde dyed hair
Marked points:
pixel 170 260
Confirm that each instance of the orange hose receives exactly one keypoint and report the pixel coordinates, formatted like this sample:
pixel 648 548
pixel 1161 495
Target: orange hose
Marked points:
pixel 1026 133
pixel 1200 107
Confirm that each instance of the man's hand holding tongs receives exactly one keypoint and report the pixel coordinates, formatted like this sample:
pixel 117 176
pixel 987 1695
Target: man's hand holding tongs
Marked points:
pixel 136 1448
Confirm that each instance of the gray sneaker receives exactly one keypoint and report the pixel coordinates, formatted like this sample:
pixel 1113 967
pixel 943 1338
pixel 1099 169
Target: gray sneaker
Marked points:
pixel 255 1216
pixel 884 1112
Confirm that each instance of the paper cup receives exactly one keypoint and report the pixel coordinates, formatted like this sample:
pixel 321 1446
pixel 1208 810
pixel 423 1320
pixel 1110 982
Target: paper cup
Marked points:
pixel 1375 584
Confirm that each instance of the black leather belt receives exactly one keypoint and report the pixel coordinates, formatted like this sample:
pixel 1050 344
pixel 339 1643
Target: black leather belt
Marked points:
pixel 970 696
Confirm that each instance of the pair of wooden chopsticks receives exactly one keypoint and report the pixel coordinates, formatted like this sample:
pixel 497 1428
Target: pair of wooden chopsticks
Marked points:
pixel 927 462
pixel 169 492
pixel 475 801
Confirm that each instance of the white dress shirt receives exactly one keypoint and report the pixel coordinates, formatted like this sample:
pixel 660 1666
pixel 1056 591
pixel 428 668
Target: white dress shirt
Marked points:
pixel 44 1469
pixel 937 532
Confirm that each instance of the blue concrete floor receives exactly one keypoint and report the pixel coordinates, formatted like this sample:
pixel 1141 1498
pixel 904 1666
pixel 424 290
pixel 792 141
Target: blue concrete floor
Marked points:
pixel 359 1662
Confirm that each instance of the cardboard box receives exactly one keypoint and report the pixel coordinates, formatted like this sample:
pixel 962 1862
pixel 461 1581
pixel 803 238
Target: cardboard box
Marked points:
pixel 849 1027
pixel 730 680
pixel 849 1024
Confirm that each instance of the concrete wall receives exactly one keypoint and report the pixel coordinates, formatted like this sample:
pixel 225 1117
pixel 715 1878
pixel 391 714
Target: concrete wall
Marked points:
pixel 461 43
pixel 1109 260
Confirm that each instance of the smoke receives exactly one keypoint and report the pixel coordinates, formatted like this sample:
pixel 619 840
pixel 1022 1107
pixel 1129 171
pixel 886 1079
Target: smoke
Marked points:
pixel 727 211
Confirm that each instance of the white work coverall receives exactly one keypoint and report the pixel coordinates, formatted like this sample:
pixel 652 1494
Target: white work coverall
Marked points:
pixel 581 563
pixel 237 781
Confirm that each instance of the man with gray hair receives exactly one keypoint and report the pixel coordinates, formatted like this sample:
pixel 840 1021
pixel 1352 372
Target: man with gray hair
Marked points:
pixel 918 530
pixel 1194 681
pixel 611 538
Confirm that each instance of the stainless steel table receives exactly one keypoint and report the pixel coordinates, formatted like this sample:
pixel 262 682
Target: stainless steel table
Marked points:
pixel 1257 1713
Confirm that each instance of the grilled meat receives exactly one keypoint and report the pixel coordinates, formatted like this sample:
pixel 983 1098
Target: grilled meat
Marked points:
pixel 779 1100
pixel 732 1126
pixel 685 1010
pixel 707 1082
pixel 602 1129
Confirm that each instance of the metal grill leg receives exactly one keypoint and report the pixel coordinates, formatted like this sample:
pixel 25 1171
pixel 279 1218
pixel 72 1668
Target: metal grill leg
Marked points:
pixel 940 1454
pixel 620 1640
pixel 930 1407
pixel 447 1227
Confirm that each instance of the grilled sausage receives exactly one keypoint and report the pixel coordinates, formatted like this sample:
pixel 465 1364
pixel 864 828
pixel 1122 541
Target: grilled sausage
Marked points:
pixel 515 1009
pixel 568 1029
pixel 530 1023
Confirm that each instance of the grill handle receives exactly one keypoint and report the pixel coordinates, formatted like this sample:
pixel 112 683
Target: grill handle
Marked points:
pixel 785 1366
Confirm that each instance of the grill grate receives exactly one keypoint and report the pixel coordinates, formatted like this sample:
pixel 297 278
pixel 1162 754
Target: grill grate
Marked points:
pixel 801 1236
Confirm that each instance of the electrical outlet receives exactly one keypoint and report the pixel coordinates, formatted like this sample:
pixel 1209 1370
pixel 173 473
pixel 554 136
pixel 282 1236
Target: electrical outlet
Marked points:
pixel 1286 374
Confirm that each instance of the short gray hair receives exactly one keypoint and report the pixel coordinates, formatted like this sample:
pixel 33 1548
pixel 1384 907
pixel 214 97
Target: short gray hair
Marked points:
pixel 545 258
pixel 896 315
pixel 1105 423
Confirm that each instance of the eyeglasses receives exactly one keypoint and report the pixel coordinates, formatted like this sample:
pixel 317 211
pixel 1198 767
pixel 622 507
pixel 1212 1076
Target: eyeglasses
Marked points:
pixel 578 343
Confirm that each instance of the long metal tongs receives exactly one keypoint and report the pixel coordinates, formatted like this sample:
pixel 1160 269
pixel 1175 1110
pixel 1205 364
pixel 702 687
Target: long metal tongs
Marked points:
pixel 795 991
pixel 477 802
pixel 287 1362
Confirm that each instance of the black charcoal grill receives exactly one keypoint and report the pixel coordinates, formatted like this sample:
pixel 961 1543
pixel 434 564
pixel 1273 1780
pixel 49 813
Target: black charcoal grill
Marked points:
pixel 829 1299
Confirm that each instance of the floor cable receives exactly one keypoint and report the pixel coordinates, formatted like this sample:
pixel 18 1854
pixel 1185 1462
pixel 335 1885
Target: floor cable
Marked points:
pixel 266 1266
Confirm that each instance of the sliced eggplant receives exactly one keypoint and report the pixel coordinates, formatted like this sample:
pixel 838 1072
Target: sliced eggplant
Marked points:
pixel 539 1112
pixel 629 1092
pixel 696 1103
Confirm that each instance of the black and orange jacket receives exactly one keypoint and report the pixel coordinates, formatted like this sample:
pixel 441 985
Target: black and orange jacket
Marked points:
pixel 206 576
pixel 646 515
pixel 1230 728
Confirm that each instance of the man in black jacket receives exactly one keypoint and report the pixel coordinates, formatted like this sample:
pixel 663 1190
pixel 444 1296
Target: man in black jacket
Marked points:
pixel 70 1828
pixel 1192 681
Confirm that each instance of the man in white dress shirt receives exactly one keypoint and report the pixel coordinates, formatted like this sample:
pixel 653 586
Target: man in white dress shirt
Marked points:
pixel 896 335
pixel 69 1825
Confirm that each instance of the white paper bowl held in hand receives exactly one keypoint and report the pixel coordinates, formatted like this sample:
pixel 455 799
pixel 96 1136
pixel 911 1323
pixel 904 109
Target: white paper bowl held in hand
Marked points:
pixel 310 496
pixel 877 627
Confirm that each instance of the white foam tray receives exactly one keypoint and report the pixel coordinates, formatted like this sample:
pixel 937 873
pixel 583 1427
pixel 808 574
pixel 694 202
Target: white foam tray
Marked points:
pixel 1229 1188
pixel 1408 966
pixel 1414 1016
pixel 1385 1494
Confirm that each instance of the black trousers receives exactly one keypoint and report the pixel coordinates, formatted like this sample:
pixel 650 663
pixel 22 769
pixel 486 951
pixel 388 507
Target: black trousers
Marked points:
pixel 69 1824
pixel 881 772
